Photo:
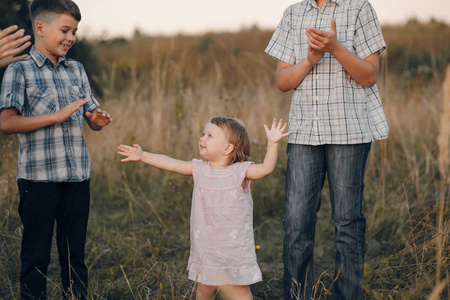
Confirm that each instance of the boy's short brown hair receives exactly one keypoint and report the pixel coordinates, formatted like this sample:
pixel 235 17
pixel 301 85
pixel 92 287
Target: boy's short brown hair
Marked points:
pixel 39 8
pixel 236 135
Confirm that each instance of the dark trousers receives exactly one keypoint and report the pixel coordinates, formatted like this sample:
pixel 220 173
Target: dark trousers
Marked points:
pixel 344 165
pixel 41 203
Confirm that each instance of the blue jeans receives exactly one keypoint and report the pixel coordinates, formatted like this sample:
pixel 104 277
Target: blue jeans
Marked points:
pixel 307 166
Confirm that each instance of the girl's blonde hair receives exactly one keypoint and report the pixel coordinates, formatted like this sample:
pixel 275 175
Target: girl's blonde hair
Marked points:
pixel 236 135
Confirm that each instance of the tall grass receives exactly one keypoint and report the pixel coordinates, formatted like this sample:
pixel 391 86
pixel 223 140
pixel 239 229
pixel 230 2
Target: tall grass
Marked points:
pixel 161 94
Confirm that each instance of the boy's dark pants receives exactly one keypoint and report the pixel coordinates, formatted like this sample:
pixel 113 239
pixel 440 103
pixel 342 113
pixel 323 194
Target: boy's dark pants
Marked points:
pixel 41 203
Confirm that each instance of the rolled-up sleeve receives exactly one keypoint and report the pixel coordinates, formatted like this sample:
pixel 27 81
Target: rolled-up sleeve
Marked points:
pixel 13 88
pixel 368 36
pixel 281 45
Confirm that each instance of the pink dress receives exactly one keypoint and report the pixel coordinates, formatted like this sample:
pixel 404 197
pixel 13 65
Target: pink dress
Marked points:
pixel 222 242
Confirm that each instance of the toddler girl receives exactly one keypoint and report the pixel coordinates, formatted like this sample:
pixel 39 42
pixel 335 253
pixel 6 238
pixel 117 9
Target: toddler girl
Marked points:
pixel 222 245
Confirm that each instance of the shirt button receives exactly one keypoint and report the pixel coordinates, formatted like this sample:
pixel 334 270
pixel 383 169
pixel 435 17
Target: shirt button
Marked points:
pixel 316 118
pixel 316 97
pixel 67 131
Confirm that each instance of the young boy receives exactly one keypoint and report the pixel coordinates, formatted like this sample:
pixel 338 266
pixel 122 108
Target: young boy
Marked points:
pixel 327 52
pixel 43 100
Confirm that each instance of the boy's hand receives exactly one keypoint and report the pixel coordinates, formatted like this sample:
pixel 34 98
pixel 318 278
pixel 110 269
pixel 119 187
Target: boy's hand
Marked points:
pixel 65 112
pixel 98 117
pixel 12 44
pixel 325 41
pixel 275 134
pixel 132 153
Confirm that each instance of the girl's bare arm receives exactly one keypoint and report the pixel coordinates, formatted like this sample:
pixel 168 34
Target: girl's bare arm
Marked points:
pixel 274 135
pixel 160 161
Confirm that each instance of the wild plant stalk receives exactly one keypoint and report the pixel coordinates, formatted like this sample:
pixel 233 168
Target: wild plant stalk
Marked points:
pixel 383 144
pixel 444 152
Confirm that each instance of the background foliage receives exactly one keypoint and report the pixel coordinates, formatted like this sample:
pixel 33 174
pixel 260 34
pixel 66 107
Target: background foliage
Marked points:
pixel 161 90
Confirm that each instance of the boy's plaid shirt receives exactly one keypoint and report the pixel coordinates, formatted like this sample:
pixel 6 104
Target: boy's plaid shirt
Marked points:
pixel 34 86
pixel 329 107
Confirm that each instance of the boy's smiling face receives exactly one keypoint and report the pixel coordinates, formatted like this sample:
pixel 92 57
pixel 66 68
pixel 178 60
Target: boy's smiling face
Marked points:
pixel 55 36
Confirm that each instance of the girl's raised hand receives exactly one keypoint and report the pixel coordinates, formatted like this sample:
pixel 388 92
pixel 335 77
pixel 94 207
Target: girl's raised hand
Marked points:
pixel 132 153
pixel 275 133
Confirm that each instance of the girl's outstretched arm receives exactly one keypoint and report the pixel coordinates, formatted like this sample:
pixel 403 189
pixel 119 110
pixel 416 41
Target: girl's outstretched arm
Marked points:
pixel 160 161
pixel 274 135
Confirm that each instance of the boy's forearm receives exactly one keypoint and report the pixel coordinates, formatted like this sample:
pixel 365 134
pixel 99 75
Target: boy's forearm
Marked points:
pixel 11 122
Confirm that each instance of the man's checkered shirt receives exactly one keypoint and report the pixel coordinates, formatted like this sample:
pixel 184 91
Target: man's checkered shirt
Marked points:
pixel 330 107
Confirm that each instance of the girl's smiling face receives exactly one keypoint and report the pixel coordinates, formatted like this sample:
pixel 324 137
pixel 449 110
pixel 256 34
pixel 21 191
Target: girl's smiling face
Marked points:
pixel 214 146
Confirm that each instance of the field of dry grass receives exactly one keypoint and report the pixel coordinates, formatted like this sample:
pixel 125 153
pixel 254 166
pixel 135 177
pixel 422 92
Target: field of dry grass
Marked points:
pixel 161 91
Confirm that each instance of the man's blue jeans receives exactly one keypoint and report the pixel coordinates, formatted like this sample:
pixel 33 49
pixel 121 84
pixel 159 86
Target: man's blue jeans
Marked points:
pixel 307 166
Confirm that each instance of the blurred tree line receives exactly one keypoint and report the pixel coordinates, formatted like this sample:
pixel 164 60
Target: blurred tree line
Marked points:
pixel 415 50
pixel 16 12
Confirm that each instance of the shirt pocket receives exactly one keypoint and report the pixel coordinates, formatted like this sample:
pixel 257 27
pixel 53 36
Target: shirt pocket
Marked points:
pixel 41 100
pixel 346 36
pixel 75 94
